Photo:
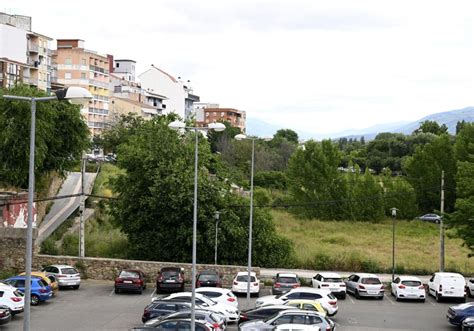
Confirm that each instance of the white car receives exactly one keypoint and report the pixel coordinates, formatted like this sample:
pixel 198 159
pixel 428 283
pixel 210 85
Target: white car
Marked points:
pixel 325 297
pixel 297 327
pixel 330 281
pixel 365 285
pixel 240 284
pixel 230 312
pixel 65 274
pixel 470 286
pixel 447 285
pixel 408 287
pixel 12 298
pixel 218 294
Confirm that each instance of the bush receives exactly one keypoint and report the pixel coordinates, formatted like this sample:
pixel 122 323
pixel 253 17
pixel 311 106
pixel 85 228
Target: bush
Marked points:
pixel 49 247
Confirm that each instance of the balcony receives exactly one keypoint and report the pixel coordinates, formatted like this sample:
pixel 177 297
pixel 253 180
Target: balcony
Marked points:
pixel 32 47
pixel 98 69
pixel 100 111
pixel 98 83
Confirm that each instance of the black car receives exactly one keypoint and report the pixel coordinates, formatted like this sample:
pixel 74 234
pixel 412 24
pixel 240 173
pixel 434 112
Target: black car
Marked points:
pixel 5 315
pixel 208 278
pixel 262 313
pixel 170 279
pixel 433 218
pixel 161 307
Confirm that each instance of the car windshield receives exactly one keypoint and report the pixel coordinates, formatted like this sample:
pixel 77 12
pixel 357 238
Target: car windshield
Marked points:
pixel 129 274
pixel 207 278
pixel 370 281
pixel 243 278
pixel 411 283
pixel 333 280
pixel 286 280
pixel 69 271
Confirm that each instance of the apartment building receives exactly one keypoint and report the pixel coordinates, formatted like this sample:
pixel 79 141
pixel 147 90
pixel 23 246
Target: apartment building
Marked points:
pixel 209 113
pixel 25 56
pixel 79 66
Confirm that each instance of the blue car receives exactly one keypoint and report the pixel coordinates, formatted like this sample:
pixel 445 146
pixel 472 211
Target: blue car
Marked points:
pixel 40 290
pixel 457 314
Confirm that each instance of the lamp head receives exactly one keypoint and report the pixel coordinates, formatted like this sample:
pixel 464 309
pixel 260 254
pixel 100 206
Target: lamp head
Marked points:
pixel 240 136
pixel 75 95
pixel 218 127
pixel 177 125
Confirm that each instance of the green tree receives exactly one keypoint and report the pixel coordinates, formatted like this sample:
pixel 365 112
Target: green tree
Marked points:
pixel 61 136
pixel 287 134
pixel 432 127
pixel 398 193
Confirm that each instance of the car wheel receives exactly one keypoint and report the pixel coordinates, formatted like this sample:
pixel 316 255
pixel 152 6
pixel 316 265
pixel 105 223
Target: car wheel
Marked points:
pixel 76 287
pixel 463 300
pixel 422 300
pixel 381 298
pixel 117 291
pixel 397 298
pixel 438 297
pixel 140 291
pixel 343 296
pixel 35 300
pixel 356 294
pixel 470 293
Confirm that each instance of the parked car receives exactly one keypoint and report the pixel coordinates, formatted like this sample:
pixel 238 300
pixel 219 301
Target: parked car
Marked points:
pixel 331 281
pixel 5 315
pixel 470 287
pixel 292 316
pixel 230 312
pixel 307 305
pixel 365 285
pixel 49 279
pixel 433 218
pixel 40 290
pixel 262 313
pixel 240 283
pixel 296 327
pixel 325 297
pixel 212 320
pixel 221 295
pixel 160 308
pixel 447 285
pixel 208 278
pixel 130 280
pixel 283 282
pixel 174 325
pixel 468 324
pixel 408 287
pixel 12 298
pixel 457 314
pixel 66 275
pixel 170 279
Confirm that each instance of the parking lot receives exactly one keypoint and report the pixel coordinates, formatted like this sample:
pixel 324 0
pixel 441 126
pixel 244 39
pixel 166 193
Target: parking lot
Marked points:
pixel 95 306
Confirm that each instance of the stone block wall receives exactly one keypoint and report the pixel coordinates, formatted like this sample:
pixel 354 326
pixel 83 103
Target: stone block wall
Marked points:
pixel 108 269
pixel 13 249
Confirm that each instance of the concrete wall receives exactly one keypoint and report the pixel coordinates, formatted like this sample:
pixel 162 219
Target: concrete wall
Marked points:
pixel 13 248
pixel 108 269
pixel 13 43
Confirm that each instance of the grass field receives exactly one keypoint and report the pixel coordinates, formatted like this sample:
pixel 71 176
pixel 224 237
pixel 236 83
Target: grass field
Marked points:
pixel 363 246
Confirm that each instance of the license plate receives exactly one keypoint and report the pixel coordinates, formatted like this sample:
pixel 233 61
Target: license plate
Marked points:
pixel 127 281
pixel 448 292
pixel 372 292
pixel 170 281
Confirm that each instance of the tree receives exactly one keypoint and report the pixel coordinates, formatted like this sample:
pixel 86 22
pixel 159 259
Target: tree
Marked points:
pixel 314 181
pixel 432 127
pixel 61 136
pixel 424 173
pixel 217 139
pixel 289 135
pixel 155 205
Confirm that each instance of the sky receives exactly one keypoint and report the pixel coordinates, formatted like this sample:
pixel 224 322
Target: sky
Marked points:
pixel 309 65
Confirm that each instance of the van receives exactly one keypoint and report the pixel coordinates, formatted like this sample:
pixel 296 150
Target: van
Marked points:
pixel 447 285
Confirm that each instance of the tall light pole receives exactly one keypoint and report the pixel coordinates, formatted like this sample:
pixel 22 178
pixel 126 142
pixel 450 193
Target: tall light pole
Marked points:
pixel 75 95
pixel 178 125
pixel 394 216
pixel 216 216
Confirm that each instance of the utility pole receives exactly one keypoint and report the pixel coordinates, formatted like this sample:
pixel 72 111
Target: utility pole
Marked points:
pixel 81 210
pixel 216 217
pixel 394 216
pixel 441 227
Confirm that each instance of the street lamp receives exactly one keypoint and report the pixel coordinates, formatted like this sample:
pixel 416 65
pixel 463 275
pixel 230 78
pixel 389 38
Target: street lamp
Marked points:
pixel 394 216
pixel 75 95
pixel 178 125
pixel 216 216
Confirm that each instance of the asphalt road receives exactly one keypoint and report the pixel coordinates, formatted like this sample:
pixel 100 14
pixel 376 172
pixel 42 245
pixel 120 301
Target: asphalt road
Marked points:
pixel 96 307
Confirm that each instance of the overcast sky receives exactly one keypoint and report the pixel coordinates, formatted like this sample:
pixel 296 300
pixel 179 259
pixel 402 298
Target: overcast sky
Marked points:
pixel 317 66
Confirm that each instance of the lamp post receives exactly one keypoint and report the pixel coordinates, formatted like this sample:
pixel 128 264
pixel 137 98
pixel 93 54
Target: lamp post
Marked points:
pixel 394 216
pixel 178 125
pixel 75 95
pixel 216 216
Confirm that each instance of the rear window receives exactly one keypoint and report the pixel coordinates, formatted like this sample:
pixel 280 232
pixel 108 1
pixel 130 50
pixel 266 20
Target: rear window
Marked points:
pixel 69 271
pixel 370 281
pixel 287 280
pixel 211 294
pixel 129 274
pixel 411 283
pixel 42 282
pixel 332 280
pixel 244 278
pixel 18 293
pixel 207 278
pixel 169 273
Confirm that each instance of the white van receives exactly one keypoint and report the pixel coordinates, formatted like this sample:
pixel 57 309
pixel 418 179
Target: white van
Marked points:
pixel 447 285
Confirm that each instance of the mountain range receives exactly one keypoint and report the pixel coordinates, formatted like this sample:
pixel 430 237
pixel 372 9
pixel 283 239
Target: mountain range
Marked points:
pixel 260 128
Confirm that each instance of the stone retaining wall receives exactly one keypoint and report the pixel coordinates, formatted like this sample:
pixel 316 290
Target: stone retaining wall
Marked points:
pixel 108 269
pixel 13 248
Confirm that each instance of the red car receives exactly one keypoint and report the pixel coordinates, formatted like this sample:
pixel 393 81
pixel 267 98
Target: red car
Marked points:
pixel 130 280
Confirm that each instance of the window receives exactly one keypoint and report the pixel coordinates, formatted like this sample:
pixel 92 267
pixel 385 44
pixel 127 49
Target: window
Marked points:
pixel 313 320
pixel 67 75
pixel 117 65
pixel 310 296
pixel 83 62
pixel 308 306
pixel 283 320
pixel 168 325
pixel 83 75
pixel 68 60
pixel 298 319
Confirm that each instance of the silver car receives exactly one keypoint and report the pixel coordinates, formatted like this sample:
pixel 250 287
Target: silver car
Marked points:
pixel 65 274
pixel 213 320
pixel 291 316
pixel 365 285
